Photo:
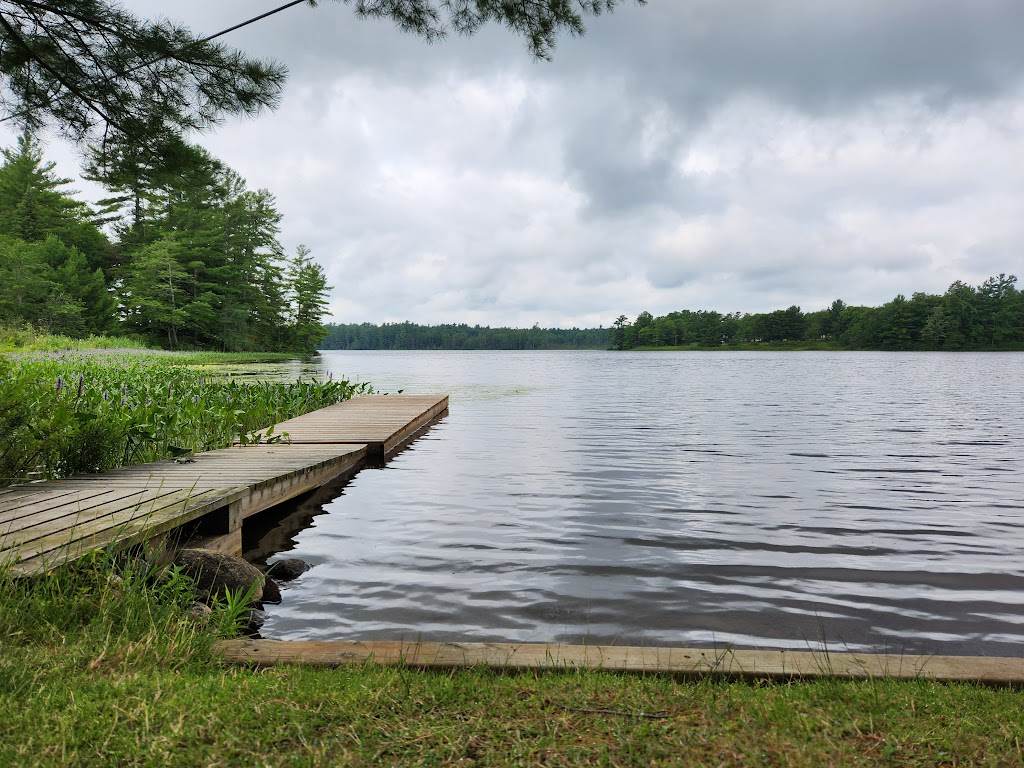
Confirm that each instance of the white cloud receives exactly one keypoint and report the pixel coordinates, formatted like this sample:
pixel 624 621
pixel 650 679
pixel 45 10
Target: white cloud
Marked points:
pixel 715 155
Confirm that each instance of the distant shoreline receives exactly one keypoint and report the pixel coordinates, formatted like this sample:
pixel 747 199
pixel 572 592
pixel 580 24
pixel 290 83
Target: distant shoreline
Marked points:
pixel 805 347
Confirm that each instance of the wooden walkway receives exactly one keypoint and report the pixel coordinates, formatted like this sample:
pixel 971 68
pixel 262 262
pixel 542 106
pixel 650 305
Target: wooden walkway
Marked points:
pixel 681 662
pixel 43 525
pixel 382 422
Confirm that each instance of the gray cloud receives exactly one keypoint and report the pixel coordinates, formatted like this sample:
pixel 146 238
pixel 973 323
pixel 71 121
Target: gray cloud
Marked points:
pixel 709 154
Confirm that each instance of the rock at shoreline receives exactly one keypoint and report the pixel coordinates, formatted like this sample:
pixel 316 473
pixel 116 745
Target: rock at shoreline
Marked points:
pixel 271 592
pixel 288 569
pixel 255 620
pixel 215 572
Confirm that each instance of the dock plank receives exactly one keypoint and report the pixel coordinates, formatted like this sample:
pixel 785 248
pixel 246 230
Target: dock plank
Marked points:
pixel 684 662
pixel 80 504
pixel 123 528
pixel 383 422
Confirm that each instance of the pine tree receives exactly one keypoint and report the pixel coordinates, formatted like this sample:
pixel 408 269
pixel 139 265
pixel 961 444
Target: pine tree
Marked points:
pixel 97 72
pixel 51 268
pixel 308 287
pixel 156 292
pixel 34 205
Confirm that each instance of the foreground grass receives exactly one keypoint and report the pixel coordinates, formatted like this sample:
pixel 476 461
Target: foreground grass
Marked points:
pixel 99 667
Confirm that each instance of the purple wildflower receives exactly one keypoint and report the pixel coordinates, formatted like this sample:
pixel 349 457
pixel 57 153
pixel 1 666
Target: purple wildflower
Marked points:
pixel 60 384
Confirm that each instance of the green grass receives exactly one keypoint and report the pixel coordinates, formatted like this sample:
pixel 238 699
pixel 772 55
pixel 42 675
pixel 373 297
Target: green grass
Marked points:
pixel 100 667
pixel 30 340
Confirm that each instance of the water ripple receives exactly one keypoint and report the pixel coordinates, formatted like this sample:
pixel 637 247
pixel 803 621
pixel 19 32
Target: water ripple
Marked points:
pixel 843 500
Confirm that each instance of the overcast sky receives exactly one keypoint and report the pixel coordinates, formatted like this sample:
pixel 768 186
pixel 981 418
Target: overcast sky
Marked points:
pixel 702 154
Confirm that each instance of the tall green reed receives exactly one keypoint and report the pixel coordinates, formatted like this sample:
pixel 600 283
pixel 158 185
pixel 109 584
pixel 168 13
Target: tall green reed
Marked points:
pixel 70 413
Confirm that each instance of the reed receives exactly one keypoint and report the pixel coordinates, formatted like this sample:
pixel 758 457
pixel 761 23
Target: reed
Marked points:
pixel 68 413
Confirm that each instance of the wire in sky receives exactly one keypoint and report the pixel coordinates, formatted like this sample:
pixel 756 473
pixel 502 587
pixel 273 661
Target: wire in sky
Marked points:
pixel 206 39
pixel 253 20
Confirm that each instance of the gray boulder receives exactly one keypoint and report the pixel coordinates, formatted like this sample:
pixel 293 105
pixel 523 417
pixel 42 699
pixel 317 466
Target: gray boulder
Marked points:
pixel 288 569
pixel 215 572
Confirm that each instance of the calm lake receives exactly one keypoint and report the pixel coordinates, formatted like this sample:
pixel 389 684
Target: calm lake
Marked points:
pixel 856 501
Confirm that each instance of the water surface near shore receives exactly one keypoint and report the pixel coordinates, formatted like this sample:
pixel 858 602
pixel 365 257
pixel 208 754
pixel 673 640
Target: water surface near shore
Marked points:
pixel 867 501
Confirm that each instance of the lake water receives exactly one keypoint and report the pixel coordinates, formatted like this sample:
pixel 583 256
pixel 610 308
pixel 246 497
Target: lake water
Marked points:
pixel 856 501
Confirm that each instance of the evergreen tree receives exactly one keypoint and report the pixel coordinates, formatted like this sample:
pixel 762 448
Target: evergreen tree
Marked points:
pixel 308 288
pixel 33 204
pixel 51 267
pixel 96 71
pixel 156 293
pixel 963 318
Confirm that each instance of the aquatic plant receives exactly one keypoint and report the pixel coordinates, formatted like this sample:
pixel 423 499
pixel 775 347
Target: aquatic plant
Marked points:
pixel 70 413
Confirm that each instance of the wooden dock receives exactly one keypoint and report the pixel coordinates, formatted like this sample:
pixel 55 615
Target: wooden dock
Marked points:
pixel 43 525
pixel 382 422
pixel 680 662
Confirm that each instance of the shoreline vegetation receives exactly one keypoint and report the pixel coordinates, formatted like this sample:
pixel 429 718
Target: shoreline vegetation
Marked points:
pixel 183 260
pixel 101 662
pixel 70 412
pixel 987 318
pixel 458 336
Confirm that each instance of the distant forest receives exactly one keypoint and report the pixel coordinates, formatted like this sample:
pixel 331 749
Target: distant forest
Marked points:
pixel 990 316
pixel 413 336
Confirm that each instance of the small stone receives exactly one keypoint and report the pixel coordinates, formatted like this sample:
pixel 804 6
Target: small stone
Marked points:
pixel 271 592
pixel 288 569
pixel 200 613
pixel 256 620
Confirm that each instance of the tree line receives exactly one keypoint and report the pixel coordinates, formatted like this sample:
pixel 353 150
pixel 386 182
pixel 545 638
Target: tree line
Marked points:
pixel 412 336
pixel 989 316
pixel 194 261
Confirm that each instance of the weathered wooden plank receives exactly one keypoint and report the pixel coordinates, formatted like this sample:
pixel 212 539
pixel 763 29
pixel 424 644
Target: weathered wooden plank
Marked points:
pixel 382 421
pixel 36 538
pixel 58 497
pixel 12 501
pixel 270 493
pixel 414 426
pixel 217 468
pixel 61 516
pixel 260 495
pixel 695 662
pixel 227 543
pixel 121 529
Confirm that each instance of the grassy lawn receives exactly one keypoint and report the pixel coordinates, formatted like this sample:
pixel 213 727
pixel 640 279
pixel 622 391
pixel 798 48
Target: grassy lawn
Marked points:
pixel 100 667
